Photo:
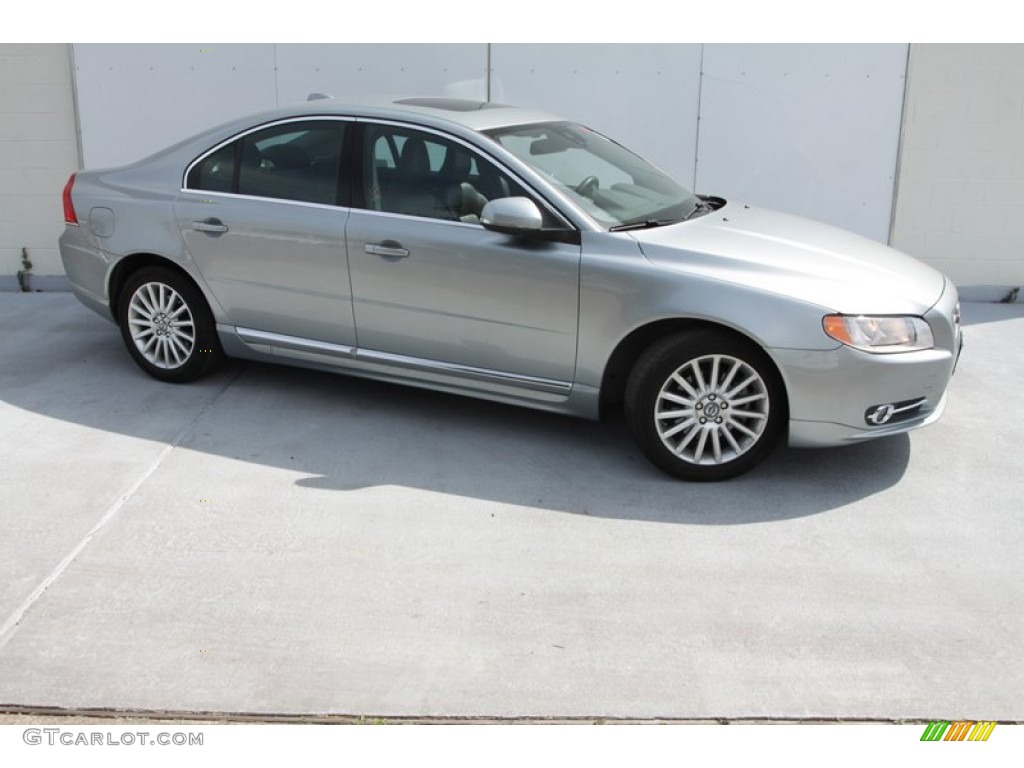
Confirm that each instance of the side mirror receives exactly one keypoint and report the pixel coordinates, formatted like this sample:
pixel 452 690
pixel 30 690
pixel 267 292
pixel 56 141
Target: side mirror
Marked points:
pixel 512 215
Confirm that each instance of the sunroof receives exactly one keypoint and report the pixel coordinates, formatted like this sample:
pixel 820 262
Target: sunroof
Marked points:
pixel 451 105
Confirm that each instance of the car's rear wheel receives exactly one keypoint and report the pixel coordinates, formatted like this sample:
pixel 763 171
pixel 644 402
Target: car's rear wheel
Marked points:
pixel 705 405
pixel 167 326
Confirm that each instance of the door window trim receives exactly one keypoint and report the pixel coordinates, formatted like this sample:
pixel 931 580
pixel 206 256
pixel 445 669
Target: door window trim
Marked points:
pixel 344 180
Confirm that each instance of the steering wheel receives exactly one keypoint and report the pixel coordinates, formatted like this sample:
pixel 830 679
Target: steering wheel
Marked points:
pixel 588 186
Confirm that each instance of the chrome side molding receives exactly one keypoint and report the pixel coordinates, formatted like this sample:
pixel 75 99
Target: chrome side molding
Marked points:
pixel 404 362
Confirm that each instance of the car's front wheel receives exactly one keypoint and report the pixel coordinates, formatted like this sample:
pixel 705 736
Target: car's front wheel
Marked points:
pixel 705 405
pixel 167 326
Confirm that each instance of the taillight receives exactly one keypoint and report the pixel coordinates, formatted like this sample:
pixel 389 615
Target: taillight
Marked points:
pixel 69 208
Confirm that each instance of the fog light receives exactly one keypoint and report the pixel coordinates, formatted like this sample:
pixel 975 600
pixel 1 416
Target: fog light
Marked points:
pixel 877 415
pixel 880 414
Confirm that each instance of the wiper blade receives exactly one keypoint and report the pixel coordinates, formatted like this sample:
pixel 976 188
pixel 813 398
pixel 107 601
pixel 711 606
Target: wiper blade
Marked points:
pixel 702 207
pixel 646 224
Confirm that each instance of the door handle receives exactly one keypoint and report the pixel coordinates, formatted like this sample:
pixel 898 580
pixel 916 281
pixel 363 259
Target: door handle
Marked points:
pixel 387 248
pixel 209 225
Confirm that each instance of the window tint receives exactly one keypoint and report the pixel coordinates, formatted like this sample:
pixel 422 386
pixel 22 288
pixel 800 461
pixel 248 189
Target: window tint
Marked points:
pixel 216 172
pixel 421 174
pixel 294 161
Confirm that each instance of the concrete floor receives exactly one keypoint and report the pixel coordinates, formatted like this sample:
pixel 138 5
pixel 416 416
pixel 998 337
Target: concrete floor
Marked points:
pixel 273 540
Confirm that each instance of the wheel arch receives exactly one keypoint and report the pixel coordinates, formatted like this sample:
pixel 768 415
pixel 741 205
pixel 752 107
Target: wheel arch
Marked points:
pixel 632 346
pixel 190 347
pixel 129 265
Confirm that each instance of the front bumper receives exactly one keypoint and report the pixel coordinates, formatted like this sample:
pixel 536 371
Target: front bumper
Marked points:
pixel 831 392
pixel 817 434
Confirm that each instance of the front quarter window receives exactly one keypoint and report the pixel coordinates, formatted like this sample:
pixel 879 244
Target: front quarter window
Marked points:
pixel 606 180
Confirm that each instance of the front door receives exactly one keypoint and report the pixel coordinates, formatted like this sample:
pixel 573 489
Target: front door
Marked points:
pixel 429 282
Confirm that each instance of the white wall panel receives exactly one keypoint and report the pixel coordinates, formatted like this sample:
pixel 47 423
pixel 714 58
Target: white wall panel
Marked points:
pixel 350 72
pixel 809 129
pixel 38 152
pixel 961 188
pixel 136 99
pixel 644 96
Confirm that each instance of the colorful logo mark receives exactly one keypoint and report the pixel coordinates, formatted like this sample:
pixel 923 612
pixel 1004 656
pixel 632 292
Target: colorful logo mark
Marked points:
pixel 961 730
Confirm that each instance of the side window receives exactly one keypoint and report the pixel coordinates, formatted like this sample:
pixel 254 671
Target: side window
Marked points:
pixel 216 172
pixel 421 174
pixel 294 161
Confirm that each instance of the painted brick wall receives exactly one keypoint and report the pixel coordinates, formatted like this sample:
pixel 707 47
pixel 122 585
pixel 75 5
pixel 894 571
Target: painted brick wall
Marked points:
pixel 960 201
pixel 38 151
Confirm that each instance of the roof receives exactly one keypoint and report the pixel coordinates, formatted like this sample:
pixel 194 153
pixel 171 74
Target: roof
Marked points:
pixel 475 115
pixel 453 115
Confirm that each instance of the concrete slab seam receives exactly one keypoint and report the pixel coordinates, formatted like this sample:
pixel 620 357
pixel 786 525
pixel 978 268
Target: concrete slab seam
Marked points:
pixel 9 627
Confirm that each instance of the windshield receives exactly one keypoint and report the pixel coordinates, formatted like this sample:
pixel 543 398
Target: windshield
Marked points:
pixel 605 179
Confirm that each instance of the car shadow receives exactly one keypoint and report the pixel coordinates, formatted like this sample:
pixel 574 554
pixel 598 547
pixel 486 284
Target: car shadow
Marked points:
pixel 346 436
pixel 387 435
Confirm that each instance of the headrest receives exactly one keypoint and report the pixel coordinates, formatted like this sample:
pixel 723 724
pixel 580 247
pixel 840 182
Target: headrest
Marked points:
pixel 414 159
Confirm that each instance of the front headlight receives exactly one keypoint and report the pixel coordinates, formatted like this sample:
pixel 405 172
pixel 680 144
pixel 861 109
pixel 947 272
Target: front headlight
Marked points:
pixel 879 334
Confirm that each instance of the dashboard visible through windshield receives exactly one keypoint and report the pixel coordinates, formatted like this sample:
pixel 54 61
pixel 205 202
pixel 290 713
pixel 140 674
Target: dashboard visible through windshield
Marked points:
pixel 611 184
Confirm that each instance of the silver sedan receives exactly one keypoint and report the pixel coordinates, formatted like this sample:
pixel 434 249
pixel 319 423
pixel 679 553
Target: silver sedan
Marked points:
pixel 511 255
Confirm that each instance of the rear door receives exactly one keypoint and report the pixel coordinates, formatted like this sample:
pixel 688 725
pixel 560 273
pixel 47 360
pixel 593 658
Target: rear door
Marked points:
pixel 264 218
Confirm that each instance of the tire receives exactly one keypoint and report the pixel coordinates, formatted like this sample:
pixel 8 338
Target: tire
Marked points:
pixel 167 326
pixel 705 405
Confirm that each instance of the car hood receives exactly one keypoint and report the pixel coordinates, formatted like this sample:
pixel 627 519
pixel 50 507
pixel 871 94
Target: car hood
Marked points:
pixel 787 255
